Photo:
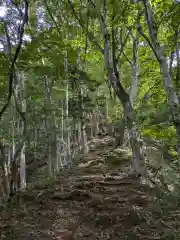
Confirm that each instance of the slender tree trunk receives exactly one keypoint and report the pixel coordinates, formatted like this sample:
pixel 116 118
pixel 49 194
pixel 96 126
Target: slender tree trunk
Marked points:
pixel 63 160
pixel 94 125
pixel 5 188
pixel 83 127
pixel 91 126
pixel 97 121
pixel 73 140
pixel 135 79
pixel 79 134
pixel 177 33
pixel 54 142
pixel 6 179
pixel 58 150
pixel 107 106
pixel 52 128
pixel 14 123
pixel 84 136
pixel 138 161
pixel 135 69
pixel 81 98
pixel 49 127
pixel 9 156
pixel 35 141
pixel 18 175
pixel 13 134
pixel 69 160
pixel 22 154
pixel 173 100
pixel 2 194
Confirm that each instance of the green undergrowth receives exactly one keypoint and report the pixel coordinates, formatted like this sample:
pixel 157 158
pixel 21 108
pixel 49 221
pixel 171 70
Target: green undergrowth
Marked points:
pixel 169 200
pixel 168 209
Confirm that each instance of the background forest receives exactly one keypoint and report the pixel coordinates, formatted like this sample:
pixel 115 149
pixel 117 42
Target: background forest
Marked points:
pixel 73 71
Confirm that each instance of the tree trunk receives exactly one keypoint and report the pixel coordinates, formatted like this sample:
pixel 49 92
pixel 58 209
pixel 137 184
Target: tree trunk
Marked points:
pixel 62 157
pixel 4 171
pixel 91 126
pixel 135 70
pixel 18 163
pixel 49 127
pixel 135 79
pixel 79 134
pixel 22 154
pixel 84 136
pixel 173 100
pixel 69 160
pixel 138 161
pixel 107 106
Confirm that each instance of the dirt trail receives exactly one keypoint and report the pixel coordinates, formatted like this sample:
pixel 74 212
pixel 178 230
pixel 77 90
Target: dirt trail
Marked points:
pixel 102 204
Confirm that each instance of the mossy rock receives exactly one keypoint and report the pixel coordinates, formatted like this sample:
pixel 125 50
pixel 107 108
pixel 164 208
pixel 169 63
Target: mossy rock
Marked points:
pixel 91 163
pixel 126 156
pixel 116 160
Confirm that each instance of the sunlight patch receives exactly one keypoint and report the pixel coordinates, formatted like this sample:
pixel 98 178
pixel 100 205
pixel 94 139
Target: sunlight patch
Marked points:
pixel 2 11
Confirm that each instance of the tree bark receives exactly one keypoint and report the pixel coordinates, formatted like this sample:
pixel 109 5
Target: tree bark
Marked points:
pixel 49 127
pixel 113 74
pixel 4 172
pixel 135 69
pixel 69 160
pixel 171 93
pixel 22 154
pixel 135 79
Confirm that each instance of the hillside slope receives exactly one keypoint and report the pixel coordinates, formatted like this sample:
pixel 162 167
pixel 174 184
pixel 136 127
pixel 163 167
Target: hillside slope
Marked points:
pixel 100 198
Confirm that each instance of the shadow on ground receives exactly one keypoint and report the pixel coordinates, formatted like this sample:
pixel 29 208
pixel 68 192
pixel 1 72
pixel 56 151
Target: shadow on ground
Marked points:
pixel 108 202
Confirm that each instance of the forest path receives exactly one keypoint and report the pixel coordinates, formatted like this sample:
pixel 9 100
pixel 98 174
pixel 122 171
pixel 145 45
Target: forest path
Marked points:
pixel 92 201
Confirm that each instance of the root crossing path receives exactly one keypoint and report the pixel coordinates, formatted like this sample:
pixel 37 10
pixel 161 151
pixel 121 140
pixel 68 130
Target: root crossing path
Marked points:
pixel 98 199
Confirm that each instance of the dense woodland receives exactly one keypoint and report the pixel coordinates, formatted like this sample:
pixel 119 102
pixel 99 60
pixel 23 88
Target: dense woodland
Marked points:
pixel 75 71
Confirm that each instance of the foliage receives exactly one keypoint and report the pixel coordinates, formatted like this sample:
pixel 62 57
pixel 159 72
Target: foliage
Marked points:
pixel 66 83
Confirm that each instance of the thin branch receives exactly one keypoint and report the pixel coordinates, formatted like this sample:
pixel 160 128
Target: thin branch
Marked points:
pixel 178 60
pixel 139 28
pixel 11 70
pixel 51 16
pixel 142 74
pixel 8 43
pixel 168 13
pixel 87 27
pixel 114 51
pixel 123 44
pixel 113 34
pixel 89 34
pixel 171 63
pixel 22 114
pixel 146 60
pixel 127 59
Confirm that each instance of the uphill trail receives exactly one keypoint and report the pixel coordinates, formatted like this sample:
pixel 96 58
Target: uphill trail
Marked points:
pixel 99 198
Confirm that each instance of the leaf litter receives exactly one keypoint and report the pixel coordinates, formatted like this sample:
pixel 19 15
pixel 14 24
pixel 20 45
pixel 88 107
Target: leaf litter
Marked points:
pixel 89 202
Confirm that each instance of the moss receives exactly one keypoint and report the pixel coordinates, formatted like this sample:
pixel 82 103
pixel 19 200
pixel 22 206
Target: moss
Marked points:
pixel 173 153
pixel 118 159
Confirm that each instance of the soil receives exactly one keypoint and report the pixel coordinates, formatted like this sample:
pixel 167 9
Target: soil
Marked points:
pixel 94 200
